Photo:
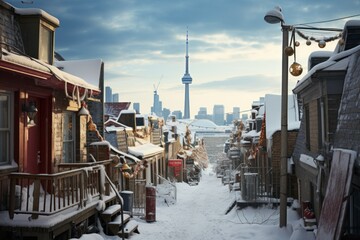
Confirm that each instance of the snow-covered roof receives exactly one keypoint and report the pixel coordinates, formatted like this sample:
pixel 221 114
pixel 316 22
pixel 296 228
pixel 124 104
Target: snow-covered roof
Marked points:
pixel 273 114
pixel 41 66
pixel 128 156
pixel 145 150
pixel 336 62
pixel 37 11
pixel 89 70
pixel 251 134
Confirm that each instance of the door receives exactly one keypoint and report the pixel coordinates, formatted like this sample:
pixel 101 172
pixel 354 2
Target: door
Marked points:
pixel 37 138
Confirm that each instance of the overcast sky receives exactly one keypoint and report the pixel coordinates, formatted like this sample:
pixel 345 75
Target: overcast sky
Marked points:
pixel 235 56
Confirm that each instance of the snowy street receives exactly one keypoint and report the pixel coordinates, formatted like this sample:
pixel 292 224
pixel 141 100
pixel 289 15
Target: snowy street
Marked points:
pixel 199 213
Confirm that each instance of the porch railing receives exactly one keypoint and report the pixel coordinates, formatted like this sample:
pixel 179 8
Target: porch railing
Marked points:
pixel 170 193
pixel 47 194
pixel 257 183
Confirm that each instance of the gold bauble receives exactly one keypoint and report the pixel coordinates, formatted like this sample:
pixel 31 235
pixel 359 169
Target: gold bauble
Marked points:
pixel 308 42
pixel 296 69
pixel 322 44
pixel 289 51
pixel 297 43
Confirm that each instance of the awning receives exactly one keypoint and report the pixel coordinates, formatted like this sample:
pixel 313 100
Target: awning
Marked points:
pixel 146 150
pixel 48 75
pixel 128 156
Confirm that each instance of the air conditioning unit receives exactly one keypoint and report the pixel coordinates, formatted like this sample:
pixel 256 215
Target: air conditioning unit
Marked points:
pixel 249 186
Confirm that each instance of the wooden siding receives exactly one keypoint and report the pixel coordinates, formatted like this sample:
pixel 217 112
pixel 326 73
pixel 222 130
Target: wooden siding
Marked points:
pixel 314 121
pixel 276 159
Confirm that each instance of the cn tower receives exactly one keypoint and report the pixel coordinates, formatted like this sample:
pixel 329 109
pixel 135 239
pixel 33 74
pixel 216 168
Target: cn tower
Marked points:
pixel 186 79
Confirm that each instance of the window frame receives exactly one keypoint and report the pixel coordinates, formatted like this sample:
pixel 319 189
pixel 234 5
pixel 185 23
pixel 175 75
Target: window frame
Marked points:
pixel 9 128
pixel 65 142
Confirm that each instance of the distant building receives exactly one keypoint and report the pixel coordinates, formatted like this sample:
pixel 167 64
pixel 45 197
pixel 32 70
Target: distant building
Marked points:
pixel 165 113
pixel 108 94
pixel 202 114
pixel 136 107
pixel 236 113
pixel 157 105
pixel 229 118
pixel 177 114
pixel 218 114
pixel 115 97
pixel 244 117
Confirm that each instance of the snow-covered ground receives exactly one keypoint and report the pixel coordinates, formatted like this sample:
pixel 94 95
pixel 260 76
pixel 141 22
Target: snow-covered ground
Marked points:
pixel 199 213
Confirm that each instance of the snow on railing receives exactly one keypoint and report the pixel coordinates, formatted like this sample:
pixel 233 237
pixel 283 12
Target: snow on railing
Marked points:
pixel 48 194
pixel 167 190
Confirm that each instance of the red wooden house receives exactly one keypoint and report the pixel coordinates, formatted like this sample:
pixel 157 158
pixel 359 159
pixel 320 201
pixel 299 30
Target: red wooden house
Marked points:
pixel 50 187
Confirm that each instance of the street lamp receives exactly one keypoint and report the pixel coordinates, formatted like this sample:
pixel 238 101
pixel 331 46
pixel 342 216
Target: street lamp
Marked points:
pixel 275 16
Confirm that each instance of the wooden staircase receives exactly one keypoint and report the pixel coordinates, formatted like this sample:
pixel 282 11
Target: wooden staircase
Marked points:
pixel 114 219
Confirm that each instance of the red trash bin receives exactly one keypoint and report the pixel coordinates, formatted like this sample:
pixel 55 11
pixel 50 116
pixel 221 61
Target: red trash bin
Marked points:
pixel 150 207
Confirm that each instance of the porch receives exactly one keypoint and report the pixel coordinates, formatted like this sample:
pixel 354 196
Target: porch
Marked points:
pixel 60 205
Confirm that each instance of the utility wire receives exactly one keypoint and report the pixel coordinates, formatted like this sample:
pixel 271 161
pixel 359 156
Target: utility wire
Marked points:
pixel 331 20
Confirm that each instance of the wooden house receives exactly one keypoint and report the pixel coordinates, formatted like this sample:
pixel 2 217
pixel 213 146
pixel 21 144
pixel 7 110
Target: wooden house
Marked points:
pixel 50 186
pixel 328 96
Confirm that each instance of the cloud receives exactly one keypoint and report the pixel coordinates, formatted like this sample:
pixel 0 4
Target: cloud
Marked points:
pixel 231 48
pixel 252 83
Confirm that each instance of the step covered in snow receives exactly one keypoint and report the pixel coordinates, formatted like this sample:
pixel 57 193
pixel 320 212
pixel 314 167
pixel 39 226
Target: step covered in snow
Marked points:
pixel 110 211
pixel 130 227
pixel 115 225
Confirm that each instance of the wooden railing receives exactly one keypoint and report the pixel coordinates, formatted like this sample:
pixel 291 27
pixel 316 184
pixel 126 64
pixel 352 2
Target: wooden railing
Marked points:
pixel 47 194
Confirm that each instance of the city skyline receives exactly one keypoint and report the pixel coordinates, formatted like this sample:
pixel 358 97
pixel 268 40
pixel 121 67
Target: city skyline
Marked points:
pixel 235 55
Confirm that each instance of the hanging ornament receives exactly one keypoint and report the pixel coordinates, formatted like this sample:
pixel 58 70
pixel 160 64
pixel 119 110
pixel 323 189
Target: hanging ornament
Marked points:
pixel 289 51
pixel 296 69
pixel 297 43
pixel 322 44
pixel 308 42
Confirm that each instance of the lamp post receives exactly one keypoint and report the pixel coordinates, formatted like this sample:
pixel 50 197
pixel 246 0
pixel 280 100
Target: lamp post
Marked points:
pixel 275 16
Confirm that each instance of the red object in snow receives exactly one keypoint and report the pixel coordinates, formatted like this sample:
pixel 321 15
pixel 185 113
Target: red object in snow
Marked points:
pixel 150 207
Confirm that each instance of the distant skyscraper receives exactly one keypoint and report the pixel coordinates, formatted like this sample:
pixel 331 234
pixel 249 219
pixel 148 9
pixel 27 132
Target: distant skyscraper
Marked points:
pixel 115 97
pixel 229 118
pixel 177 114
pixel 218 114
pixel 108 94
pixel 157 104
pixel 136 107
pixel 236 113
pixel 244 117
pixel 202 114
pixel 186 79
pixel 165 113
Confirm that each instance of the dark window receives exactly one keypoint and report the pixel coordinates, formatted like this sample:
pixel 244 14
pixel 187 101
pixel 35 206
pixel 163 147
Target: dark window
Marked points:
pixel 5 128
pixel 69 126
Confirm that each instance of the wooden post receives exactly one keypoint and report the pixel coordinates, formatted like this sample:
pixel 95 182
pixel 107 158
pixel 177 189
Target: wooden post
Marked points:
pixel 36 197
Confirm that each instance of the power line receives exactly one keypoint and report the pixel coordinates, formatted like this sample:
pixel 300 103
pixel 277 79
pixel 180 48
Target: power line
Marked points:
pixel 331 20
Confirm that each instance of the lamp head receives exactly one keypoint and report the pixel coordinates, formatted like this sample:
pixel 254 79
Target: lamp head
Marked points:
pixel 320 161
pixel 31 112
pixel 320 158
pixel 274 16
pixel 83 111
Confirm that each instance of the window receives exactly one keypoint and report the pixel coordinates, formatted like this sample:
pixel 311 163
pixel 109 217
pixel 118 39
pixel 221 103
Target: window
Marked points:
pixel 46 46
pixel 69 126
pixel 5 128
